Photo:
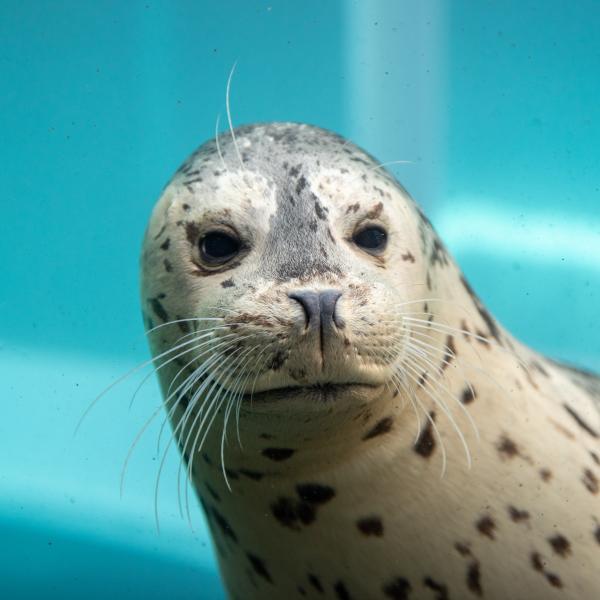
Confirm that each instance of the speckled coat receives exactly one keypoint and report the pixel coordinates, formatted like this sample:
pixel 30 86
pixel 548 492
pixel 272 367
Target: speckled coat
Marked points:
pixel 409 447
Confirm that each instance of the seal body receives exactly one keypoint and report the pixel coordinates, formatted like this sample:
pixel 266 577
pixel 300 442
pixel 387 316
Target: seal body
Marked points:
pixel 353 420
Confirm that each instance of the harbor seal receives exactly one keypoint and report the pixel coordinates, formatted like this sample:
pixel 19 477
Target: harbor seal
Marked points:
pixel 353 420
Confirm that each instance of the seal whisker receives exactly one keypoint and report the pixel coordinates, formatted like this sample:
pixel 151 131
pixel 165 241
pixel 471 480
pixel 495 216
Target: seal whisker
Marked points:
pixel 222 370
pixel 122 378
pixel 189 382
pixel 223 164
pixel 200 336
pixel 231 395
pixel 214 401
pixel 439 402
pixel 228 107
pixel 423 355
pixel 175 321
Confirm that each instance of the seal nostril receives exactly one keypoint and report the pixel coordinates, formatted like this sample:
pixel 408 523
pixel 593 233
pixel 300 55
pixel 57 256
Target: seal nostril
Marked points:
pixel 309 301
pixel 319 307
pixel 328 301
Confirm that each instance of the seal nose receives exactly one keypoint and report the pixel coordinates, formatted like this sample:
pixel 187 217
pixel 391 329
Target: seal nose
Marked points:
pixel 319 307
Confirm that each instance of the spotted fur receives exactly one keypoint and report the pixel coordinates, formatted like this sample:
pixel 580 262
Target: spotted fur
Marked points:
pixel 336 491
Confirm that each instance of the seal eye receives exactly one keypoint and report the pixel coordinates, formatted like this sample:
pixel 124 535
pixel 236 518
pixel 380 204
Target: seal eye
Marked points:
pixel 217 247
pixel 372 239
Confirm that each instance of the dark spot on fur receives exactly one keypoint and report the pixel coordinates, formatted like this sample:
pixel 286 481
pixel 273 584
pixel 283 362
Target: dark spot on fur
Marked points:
pixel 302 183
pixel 469 394
pixel 507 448
pixel 595 457
pixel 554 580
pixel 408 257
pixel 590 481
pixel 462 549
pixel 315 582
pixel 320 210
pixel 580 421
pixel 398 589
pixel 438 255
pixel 185 207
pixel 192 232
pixel 425 444
pixel 546 475
pixel 381 427
pixel 278 454
pixel 212 492
pixel 168 265
pixel 597 533
pixel 158 308
pixel 353 208
pixel 227 283
pixel 450 352
pixel 315 493
pixel 370 526
pixel 560 544
pixel 375 212
pixel 278 360
pixel 291 513
pixel 474 578
pixel 254 475
pixel 517 515
pixel 537 562
pixel 258 564
pixel 485 315
pixel 440 589
pixel 165 244
pixel 224 525
pixel 341 591
pixel 486 526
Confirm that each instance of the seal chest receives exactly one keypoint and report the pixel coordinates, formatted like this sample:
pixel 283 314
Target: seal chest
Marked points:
pixel 353 420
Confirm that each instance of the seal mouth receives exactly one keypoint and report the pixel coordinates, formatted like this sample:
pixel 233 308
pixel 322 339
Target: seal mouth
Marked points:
pixel 320 392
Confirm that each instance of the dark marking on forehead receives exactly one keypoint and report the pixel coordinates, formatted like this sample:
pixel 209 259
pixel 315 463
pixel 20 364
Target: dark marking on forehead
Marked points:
pixel 165 244
pixel 227 283
pixel 375 212
pixel 295 243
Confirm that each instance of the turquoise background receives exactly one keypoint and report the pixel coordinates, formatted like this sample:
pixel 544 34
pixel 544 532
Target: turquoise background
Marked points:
pixel 495 103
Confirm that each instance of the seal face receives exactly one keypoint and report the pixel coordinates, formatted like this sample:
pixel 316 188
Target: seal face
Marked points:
pixel 323 361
